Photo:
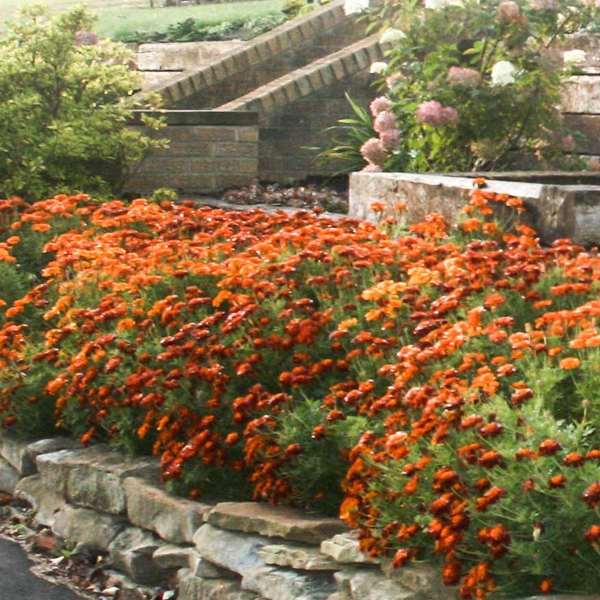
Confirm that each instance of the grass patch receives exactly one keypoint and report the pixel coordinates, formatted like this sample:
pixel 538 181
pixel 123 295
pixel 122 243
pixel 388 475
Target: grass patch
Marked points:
pixel 121 19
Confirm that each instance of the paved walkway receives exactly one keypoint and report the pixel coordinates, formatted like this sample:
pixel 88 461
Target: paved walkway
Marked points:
pixel 17 582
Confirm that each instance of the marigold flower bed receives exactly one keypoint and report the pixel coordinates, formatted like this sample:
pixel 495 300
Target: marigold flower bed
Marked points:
pixel 438 387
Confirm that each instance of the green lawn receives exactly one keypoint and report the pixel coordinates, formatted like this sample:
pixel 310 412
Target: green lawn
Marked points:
pixel 116 17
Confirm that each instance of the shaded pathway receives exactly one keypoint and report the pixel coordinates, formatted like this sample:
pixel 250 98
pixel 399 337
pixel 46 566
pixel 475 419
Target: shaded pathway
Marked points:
pixel 17 582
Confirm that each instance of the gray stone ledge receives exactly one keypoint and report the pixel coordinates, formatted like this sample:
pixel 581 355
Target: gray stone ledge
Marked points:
pixel 274 521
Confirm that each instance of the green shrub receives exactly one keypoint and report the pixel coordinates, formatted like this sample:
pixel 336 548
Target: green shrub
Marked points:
pixel 64 126
pixel 470 85
pixel 195 30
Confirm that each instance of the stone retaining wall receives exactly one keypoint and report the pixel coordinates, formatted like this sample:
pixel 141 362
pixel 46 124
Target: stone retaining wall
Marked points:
pixel 226 551
pixel 208 150
pixel 559 204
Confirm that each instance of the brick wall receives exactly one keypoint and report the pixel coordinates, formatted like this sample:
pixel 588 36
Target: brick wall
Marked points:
pixel 208 150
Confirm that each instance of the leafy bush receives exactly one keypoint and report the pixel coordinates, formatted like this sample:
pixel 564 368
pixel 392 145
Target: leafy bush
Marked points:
pixel 470 85
pixel 64 126
pixel 194 30
pixel 436 385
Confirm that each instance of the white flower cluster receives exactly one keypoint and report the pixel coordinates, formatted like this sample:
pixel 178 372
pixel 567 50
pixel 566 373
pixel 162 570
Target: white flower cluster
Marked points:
pixel 503 73
pixel 352 7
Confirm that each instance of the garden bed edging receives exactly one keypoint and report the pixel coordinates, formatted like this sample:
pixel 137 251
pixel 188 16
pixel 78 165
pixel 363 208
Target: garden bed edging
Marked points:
pixel 226 551
pixel 559 204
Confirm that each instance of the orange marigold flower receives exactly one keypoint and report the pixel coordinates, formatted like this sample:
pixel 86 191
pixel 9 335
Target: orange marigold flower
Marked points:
pixel 402 557
pixel 494 300
pixel 557 481
pixel 570 362
pixel 573 459
pixel 592 534
pixel 41 227
pixel 591 496
pixel 125 324
pixel 549 448
pixel 451 572
pixel 521 395
pixel 490 459
pixel 525 453
pixel 546 585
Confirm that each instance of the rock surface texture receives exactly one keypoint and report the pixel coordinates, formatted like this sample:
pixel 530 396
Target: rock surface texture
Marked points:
pixel 229 551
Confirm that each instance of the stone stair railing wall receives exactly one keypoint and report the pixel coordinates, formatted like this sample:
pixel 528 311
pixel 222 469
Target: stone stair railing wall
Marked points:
pixel 118 508
pixel 208 150
pixel 295 78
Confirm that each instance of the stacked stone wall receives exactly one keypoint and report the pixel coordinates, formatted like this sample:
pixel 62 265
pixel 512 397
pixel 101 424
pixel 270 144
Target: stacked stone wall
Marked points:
pixel 226 551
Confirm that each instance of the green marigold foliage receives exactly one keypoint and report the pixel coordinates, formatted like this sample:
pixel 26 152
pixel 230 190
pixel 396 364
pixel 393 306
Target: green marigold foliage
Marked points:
pixel 438 389
pixel 469 85
pixel 65 100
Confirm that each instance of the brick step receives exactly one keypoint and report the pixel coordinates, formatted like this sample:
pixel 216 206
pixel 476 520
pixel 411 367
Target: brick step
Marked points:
pixel 286 48
pixel 309 79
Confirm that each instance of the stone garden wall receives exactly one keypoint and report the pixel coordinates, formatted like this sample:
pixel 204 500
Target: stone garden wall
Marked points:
pixel 225 551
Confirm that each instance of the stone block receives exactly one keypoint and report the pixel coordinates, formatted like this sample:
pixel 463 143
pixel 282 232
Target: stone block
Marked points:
pixel 297 556
pixel 274 521
pixel 172 556
pixel 237 552
pixel 21 454
pixel 9 477
pixel 554 210
pixel 151 507
pixel 285 584
pixel 132 551
pixel 581 94
pixel 202 568
pixel 343 548
pixel 14 452
pixel 93 477
pixel 46 502
pixel 363 583
pixel 195 588
pixel 94 529
pixel 173 56
pixel 422 579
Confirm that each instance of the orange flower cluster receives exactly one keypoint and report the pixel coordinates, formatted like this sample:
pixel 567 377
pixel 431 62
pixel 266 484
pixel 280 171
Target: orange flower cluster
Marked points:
pixel 425 386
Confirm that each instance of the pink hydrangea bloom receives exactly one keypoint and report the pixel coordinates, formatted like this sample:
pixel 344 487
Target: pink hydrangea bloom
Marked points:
pixel 510 11
pixel 390 139
pixel 374 152
pixel 384 121
pixel 434 114
pixel 379 105
pixel 465 77
pixel 371 168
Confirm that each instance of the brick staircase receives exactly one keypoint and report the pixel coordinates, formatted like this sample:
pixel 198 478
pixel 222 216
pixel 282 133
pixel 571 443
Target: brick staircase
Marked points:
pixel 291 83
pixel 259 109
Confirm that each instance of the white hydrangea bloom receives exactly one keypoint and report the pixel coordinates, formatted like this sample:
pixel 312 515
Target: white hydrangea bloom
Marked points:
pixel 439 4
pixel 378 67
pixel 574 57
pixel 503 73
pixel 391 35
pixel 352 7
